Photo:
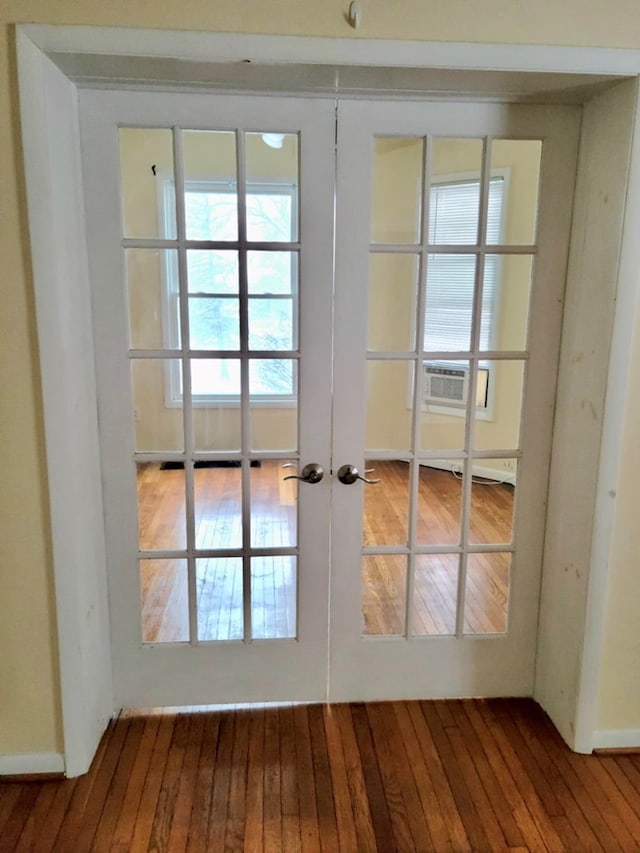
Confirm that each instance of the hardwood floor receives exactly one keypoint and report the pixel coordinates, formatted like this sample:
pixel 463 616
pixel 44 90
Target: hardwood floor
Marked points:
pixel 218 525
pixel 469 775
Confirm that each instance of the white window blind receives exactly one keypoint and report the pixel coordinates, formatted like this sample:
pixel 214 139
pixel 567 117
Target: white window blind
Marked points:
pixel 453 220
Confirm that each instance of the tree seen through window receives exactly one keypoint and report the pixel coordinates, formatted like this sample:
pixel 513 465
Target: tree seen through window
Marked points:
pixel 213 275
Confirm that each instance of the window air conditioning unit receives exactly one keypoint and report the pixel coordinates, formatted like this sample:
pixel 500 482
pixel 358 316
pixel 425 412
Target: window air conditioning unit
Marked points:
pixel 447 384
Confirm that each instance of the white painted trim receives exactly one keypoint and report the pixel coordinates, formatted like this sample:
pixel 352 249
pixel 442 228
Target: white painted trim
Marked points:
pixel 51 147
pixel 455 467
pixel 229 47
pixel 616 739
pixel 29 763
pixel 564 668
pixel 627 298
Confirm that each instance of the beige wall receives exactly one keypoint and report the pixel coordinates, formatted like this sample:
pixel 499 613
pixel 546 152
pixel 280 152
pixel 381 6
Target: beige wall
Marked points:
pixel 29 696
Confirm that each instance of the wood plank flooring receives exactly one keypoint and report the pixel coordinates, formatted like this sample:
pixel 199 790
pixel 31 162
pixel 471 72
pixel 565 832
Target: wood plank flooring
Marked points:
pixel 218 525
pixel 467 775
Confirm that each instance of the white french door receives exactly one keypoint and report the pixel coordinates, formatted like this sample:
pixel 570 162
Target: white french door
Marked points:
pixel 452 226
pixel 230 344
pixel 210 226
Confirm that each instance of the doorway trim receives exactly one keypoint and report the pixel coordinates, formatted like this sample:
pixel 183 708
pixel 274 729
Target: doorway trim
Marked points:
pixel 49 115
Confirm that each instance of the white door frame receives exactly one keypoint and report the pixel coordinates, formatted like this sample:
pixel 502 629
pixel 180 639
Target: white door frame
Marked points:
pixel 49 114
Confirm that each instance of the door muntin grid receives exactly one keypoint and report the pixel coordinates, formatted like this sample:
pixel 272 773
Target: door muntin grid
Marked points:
pixel 445 435
pixel 214 432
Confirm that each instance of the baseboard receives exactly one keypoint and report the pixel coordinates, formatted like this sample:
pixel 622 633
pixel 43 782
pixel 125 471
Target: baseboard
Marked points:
pixel 455 466
pixel 616 739
pixel 31 763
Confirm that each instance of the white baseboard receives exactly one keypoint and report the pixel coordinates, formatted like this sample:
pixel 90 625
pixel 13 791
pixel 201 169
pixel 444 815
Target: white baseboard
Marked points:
pixel 30 763
pixel 455 466
pixel 616 739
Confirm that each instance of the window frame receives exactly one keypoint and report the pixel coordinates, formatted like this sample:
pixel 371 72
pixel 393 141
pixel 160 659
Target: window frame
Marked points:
pixel 171 295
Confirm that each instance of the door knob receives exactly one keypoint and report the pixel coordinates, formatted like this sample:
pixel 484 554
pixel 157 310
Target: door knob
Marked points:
pixel 311 473
pixel 348 474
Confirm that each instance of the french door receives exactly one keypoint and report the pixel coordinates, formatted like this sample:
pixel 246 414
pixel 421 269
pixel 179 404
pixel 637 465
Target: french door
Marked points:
pixel 211 240
pixel 254 363
pixel 452 226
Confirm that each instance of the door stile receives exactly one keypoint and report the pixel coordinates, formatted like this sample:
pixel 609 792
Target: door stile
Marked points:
pixel 349 398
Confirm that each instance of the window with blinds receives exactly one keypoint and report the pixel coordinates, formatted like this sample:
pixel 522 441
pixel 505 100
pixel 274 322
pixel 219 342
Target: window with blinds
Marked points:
pixel 453 221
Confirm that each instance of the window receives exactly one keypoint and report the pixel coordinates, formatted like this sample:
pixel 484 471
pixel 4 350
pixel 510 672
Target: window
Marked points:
pixel 451 277
pixel 213 291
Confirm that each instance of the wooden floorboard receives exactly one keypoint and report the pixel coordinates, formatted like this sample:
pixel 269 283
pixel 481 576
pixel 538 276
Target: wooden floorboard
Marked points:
pixel 464 775
pixel 164 587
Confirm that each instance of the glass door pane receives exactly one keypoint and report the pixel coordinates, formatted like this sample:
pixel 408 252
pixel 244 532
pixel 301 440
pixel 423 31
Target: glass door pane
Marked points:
pixel 213 299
